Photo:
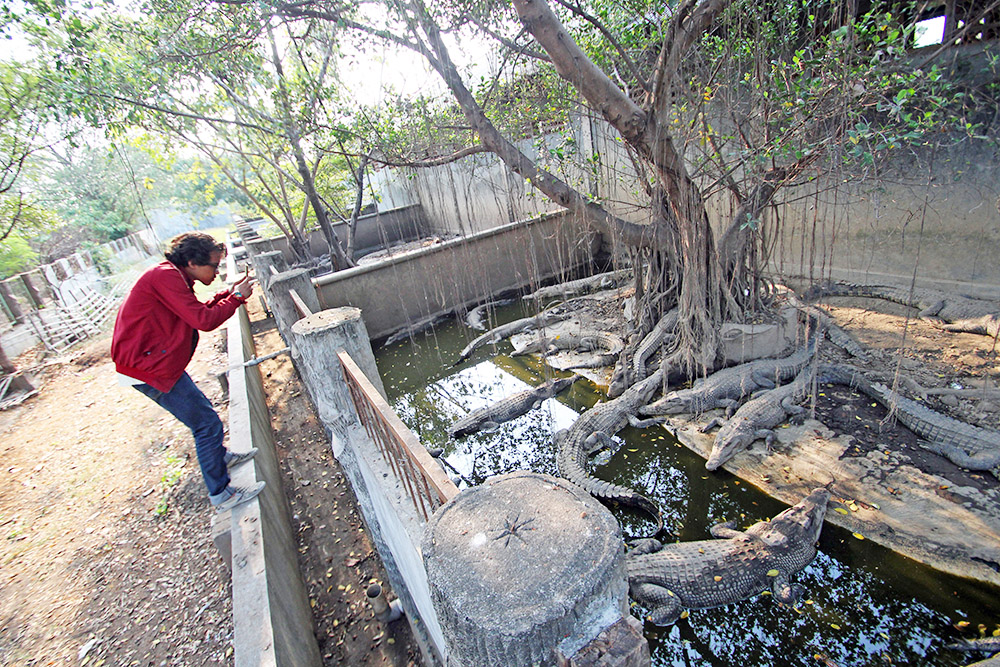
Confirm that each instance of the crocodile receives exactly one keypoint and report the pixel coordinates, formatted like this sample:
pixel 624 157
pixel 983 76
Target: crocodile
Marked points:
pixel 963 444
pixel 668 578
pixel 582 285
pixel 588 342
pixel 726 388
pixel 833 332
pixel 592 431
pixel 934 305
pixel 508 408
pixel 474 318
pixel 989 645
pixel 652 341
pixel 757 418
pixel 497 334
pixel 987 325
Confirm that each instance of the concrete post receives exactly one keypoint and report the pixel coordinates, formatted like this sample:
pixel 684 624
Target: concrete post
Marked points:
pixel 33 293
pixel 257 245
pixel 285 314
pixel 526 569
pixel 11 302
pixel 263 262
pixel 315 342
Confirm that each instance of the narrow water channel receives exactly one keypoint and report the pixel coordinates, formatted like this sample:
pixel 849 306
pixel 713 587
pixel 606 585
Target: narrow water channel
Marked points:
pixel 865 605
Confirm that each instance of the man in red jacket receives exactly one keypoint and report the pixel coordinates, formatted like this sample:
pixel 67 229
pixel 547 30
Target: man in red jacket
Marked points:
pixel 155 337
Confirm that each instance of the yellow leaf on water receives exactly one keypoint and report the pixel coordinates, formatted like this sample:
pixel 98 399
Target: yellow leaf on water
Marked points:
pixel 961 625
pixel 835 626
pixel 633 450
pixel 858 535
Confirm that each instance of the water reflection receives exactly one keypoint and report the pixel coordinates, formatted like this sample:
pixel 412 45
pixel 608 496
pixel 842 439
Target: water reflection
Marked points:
pixel 865 605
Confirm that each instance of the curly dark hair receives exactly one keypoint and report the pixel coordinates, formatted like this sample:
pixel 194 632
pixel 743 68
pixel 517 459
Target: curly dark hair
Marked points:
pixel 194 247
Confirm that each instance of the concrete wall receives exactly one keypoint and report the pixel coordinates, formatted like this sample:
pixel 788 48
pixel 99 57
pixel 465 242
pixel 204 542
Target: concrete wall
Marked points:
pixel 457 273
pixel 272 618
pixel 373 232
pixel 933 212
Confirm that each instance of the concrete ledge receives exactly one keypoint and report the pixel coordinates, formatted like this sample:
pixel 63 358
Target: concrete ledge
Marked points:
pixel 272 619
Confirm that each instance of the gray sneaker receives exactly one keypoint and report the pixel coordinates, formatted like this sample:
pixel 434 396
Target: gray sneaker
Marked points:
pixel 240 494
pixel 233 459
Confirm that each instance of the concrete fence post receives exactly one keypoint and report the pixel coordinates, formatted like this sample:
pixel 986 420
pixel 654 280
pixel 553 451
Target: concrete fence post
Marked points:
pixel 263 262
pixel 257 245
pixel 315 341
pixel 282 305
pixel 528 569
pixel 33 293
pixel 11 302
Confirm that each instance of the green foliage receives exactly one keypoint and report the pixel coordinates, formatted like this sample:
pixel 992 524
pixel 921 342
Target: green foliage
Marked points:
pixel 16 256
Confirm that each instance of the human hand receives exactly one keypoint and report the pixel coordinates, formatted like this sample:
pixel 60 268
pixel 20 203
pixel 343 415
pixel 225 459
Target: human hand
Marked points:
pixel 244 288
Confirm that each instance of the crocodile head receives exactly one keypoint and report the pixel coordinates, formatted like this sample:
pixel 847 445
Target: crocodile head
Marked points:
pixel 558 384
pixel 797 528
pixel 731 439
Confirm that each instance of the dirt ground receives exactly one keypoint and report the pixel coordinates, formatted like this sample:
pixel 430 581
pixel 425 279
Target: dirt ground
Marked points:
pixel 106 555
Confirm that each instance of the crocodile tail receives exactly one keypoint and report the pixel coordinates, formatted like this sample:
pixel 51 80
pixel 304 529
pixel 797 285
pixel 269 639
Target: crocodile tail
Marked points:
pixel 570 468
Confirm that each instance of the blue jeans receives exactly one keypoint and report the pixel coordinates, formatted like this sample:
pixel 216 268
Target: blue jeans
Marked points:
pixel 186 402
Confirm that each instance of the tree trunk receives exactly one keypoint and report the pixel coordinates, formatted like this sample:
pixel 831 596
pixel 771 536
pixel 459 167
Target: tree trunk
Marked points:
pixel 337 256
pixel 19 383
pixel 359 180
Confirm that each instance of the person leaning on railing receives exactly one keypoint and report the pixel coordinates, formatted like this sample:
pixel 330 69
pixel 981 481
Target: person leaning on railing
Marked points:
pixel 155 336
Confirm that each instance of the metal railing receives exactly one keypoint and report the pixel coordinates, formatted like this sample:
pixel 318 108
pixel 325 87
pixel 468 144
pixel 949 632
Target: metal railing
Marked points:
pixel 426 483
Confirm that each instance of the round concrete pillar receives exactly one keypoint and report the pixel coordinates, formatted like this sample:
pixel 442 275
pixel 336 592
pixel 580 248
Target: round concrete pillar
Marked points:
pixel 523 568
pixel 263 262
pixel 282 305
pixel 316 340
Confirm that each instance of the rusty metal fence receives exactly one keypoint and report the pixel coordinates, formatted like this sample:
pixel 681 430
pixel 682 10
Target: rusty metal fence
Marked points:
pixel 425 482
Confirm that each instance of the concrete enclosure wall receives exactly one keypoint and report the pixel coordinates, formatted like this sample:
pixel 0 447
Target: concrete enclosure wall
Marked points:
pixel 374 231
pixel 936 211
pixel 458 273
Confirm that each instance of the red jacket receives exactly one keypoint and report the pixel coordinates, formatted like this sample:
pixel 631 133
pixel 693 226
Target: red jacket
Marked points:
pixel 155 335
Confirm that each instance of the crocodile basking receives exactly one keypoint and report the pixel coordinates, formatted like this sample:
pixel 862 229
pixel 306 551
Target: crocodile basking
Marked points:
pixel 987 325
pixel 669 578
pixel 726 388
pixel 758 417
pixel 592 431
pixel 934 305
pixel 651 342
pixel 961 443
pixel 582 285
pixel 508 408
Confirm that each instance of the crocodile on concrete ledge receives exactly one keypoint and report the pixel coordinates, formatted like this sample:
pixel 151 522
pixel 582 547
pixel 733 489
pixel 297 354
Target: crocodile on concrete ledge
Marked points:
pixel 582 286
pixel 726 388
pixel 669 578
pixel 758 417
pixel 934 305
pixel 591 431
pixel 508 408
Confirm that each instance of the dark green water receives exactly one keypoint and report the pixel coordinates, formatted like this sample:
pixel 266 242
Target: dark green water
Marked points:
pixel 865 604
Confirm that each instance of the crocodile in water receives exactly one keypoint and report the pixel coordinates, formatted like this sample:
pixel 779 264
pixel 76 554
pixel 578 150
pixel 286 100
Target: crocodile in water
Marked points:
pixel 590 432
pixel 497 334
pixel 726 388
pixel 669 578
pixel 508 408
